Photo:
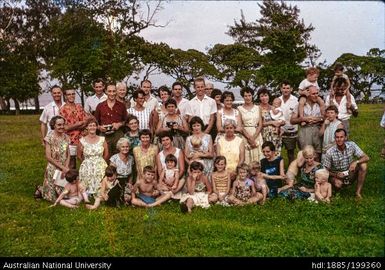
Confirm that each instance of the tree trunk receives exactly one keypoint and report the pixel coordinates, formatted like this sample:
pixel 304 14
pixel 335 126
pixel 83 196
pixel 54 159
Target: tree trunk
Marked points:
pixel 37 103
pixel 3 105
pixel 17 106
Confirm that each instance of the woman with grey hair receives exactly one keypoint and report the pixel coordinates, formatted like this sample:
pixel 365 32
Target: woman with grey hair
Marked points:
pixel 231 147
pixel 123 163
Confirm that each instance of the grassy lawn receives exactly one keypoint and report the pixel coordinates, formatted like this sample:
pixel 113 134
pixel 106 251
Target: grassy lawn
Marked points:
pixel 279 228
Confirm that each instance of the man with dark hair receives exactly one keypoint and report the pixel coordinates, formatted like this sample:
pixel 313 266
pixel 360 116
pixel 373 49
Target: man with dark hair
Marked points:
pixel 93 101
pixel 289 107
pixel 339 99
pixel 51 110
pixel 182 103
pixel 150 101
pixel 340 161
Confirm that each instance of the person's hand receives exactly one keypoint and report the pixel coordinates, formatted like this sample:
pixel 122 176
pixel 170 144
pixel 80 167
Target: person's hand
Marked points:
pixel 115 126
pixel 327 122
pixel 353 166
pixel 303 189
pixel 102 128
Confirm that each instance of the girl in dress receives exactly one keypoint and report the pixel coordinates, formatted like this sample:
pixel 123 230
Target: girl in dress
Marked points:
pixel 220 180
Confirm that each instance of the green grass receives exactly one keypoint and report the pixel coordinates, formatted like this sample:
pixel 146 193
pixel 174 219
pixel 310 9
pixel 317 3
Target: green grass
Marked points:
pixel 279 228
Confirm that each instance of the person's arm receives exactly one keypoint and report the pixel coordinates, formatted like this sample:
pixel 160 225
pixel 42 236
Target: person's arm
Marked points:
pixel 61 196
pixel 228 183
pixel 329 192
pixel 43 132
pixel 259 126
pixel 176 180
pixel 207 183
pixel 211 123
pixel 214 186
pixel 363 159
pixel 241 153
pixel 161 177
pixel 105 151
pixel 190 185
pixel 159 128
pixel 158 165
pixel 53 161
pixel 181 163
pixel 323 127
pixel 238 119
pixel 184 129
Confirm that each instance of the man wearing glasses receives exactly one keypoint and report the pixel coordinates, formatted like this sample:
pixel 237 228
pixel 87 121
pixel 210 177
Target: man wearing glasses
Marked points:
pixel 76 119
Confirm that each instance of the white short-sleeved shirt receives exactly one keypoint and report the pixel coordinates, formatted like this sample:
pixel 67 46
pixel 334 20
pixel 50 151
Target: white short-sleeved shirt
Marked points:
pixel 202 108
pixel 305 84
pixel 150 104
pixel 92 102
pixel 342 110
pixel 183 107
pixel 50 111
pixel 289 108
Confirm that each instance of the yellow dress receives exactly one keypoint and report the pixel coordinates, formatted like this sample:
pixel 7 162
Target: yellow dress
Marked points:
pixel 250 120
pixel 143 159
pixel 230 150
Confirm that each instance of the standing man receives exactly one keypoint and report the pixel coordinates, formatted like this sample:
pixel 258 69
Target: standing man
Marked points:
pixel 339 99
pixel 340 161
pixel 312 119
pixel 50 110
pixel 202 105
pixel 93 101
pixel 209 88
pixel 150 101
pixel 182 103
pixel 76 119
pixel 289 107
pixel 111 116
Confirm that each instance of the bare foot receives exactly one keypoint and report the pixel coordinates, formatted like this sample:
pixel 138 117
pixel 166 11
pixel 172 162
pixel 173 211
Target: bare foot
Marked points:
pixel 90 207
pixel 358 196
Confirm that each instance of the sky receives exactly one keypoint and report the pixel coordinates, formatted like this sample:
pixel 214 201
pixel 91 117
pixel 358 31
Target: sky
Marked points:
pixel 340 26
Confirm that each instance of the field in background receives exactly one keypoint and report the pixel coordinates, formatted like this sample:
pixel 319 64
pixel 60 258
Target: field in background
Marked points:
pixel 279 228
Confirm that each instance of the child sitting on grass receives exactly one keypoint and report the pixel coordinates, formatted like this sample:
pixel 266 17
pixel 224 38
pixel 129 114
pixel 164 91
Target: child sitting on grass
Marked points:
pixel 243 191
pixel 221 181
pixel 169 177
pixel 323 189
pixel 73 192
pixel 259 181
pixel 110 190
pixel 146 193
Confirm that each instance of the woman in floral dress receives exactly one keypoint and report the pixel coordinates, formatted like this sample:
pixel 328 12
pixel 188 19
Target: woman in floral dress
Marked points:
pixel 94 153
pixel 57 154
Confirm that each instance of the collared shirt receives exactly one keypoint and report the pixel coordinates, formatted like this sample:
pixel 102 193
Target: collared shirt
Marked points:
pixel 305 84
pixel 143 117
pixel 73 115
pixel 289 108
pixel 183 107
pixel 50 110
pixel 339 161
pixel 202 108
pixel 92 102
pixel 151 103
pixel 106 116
pixel 342 110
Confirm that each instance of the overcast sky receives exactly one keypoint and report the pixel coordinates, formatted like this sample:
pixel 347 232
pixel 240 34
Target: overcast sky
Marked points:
pixel 340 26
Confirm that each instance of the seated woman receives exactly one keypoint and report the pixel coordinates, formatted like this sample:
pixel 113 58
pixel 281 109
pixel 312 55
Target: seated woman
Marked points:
pixel 231 147
pixel 272 168
pixel 199 146
pixel 124 165
pixel 307 166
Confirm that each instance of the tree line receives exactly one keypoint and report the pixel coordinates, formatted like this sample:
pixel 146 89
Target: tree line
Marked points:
pixel 76 41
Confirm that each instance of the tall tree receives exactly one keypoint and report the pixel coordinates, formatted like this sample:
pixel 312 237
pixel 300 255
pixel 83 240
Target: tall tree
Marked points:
pixel 281 38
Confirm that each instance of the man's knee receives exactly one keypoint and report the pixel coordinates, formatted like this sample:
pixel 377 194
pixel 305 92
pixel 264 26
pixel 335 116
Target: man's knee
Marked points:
pixel 363 167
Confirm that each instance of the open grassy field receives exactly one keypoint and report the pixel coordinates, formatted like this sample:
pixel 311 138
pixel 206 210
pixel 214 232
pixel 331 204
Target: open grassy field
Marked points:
pixel 279 228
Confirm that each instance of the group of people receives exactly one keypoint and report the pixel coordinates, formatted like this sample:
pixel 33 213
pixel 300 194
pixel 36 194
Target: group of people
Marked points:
pixel 200 151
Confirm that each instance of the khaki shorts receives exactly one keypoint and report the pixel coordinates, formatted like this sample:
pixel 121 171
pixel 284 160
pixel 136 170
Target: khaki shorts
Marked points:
pixel 290 143
pixel 309 135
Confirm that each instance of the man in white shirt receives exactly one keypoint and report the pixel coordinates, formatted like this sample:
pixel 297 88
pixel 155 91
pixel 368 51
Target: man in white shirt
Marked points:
pixel 289 132
pixel 51 110
pixel 202 105
pixel 182 103
pixel 93 101
pixel 339 100
pixel 150 101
